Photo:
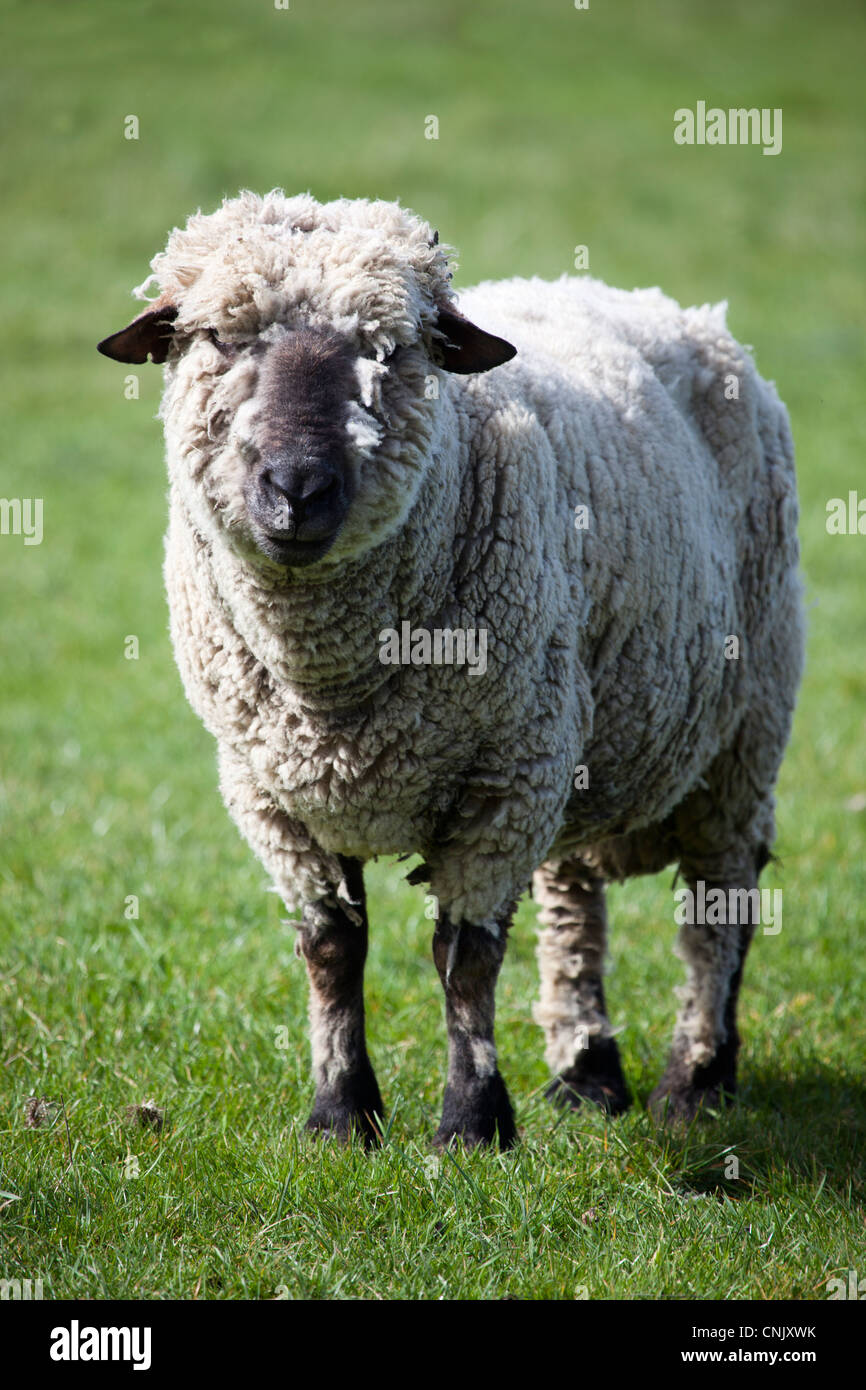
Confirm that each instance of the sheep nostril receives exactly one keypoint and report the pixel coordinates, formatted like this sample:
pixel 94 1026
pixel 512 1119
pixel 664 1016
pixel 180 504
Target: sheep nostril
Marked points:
pixel 300 491
pixel 326 493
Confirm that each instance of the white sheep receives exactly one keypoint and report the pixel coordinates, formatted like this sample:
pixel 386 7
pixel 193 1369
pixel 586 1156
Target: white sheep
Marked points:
pixel 614 510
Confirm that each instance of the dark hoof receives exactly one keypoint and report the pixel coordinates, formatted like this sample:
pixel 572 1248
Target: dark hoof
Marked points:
pixel 596 1077
pixel 477 1115
pixel 344 1125
pixel 356 1112
pixel 570 1094
pixel 678 1104
pixel 687 1091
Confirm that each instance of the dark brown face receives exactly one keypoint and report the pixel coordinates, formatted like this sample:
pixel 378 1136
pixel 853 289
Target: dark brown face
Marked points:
pixel 284 442
pixel 300 485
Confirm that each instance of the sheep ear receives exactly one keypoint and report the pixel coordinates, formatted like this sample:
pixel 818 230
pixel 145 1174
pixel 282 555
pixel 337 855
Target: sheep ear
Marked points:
pixel 150 334
pixel 467 348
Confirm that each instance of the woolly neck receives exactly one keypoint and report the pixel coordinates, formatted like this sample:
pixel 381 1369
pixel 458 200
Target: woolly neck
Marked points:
pixel 317 633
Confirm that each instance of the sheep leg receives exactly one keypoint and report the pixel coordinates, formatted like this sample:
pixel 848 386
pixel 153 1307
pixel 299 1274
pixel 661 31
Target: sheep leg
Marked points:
pixel 702 1067
pixel 580 1052
pixel 333 942
pixel 476 1105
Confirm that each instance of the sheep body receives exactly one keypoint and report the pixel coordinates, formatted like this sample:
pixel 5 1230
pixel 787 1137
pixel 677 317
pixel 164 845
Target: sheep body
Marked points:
pixel 599 409
pixel 608 628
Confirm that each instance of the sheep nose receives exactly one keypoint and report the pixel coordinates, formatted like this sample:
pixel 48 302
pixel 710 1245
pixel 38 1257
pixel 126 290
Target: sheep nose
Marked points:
pixel 300 501
pixel 300 488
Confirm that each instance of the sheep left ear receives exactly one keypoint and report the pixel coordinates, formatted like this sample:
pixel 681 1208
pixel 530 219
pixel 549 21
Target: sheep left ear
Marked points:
pixel 150 333
pixel 467 348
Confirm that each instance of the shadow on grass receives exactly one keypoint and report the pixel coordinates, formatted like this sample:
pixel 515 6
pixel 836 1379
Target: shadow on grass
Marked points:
pixel 806 1130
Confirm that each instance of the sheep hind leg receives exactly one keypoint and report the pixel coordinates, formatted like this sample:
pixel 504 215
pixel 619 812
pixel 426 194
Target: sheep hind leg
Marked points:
pixel 701 1073
pixel 581 1051
pixel 333 942
pixel 476 1107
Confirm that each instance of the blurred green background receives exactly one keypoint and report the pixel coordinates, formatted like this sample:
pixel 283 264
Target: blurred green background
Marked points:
pixel 555 129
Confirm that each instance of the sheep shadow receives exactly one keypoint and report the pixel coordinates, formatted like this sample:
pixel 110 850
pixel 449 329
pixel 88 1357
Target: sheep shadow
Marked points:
pixel 811 1126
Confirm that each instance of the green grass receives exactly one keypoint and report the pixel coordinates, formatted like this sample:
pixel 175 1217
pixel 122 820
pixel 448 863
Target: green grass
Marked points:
pixel 555 129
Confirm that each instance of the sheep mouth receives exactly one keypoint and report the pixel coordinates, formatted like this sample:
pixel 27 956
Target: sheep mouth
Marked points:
pixel 295 553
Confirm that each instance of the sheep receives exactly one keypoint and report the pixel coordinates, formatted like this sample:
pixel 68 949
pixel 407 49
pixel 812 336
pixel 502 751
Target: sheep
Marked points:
pixel 601 483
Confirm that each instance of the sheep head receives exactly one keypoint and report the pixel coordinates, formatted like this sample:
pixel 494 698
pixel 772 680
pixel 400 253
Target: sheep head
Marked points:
pixel 300 341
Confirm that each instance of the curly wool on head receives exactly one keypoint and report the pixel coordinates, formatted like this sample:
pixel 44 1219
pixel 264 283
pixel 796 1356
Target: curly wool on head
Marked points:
pixel 365 268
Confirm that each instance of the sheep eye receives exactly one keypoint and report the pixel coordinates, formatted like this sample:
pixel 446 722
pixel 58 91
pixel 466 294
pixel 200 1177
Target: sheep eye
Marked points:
pixel 227 348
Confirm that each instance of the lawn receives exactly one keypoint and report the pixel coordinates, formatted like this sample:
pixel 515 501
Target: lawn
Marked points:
pixel 142 957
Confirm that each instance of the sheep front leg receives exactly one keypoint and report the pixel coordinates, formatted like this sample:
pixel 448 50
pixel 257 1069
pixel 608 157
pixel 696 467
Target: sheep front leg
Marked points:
pixel 333 942
pixel 476 1105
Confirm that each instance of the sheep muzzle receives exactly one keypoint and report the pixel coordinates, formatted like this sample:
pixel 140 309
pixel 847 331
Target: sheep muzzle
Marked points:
pixel 303 485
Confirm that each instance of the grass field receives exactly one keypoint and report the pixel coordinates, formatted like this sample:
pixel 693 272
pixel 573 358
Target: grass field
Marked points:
pixel 555 129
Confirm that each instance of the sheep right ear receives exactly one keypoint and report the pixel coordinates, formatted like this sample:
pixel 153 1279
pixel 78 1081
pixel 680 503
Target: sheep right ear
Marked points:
pixel 149 334
pixel 467 348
